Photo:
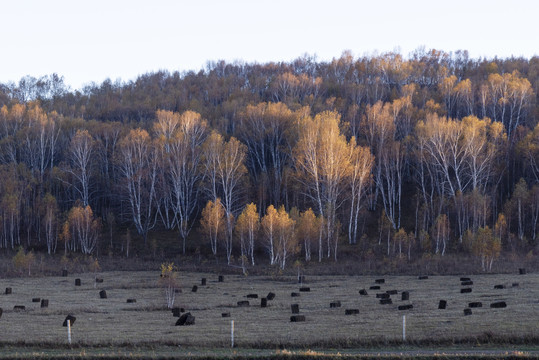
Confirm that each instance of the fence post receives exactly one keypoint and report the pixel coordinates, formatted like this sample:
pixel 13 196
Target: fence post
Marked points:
pixel 403 327
pixel 231 333
pixel 69 332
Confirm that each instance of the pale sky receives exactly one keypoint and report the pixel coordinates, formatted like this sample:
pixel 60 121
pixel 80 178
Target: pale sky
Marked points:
pixel 87 41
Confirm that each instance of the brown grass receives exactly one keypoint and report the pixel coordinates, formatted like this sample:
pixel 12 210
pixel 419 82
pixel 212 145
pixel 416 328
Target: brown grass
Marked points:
pixel 113 321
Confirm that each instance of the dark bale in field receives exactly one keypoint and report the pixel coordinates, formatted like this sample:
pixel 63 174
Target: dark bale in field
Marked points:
pixel 423 277
pixel 71 320
pixel 98 280
pixel 465 279
pixel 19 307
pixel 263 302
pixel 203 282
pixel 243 303
pixel 131 301
pixel 515 285
pixel 392 292
pixel 225 314
pixel 297 318
pixel 374 287
pixel 522 271
pixel 335 304
pixel 301 279
pixel 8 291
pixel 405 296
pixel 186 319
pixel 363 292
pixel 477 304
pixel 499 286
pixel 270 296
pixel 465 290
pixel 221 278
pixel 467 312
pixel 466 283
pixel 176 312
pixel 498 305
pixel 351 311
pixel 386 301
pixel 44 303
pixel 304 289
pixel 406 307
pixel 382 296
pixel 64 273
pixel 1 311
pixel 379 281
pixel 252 296
pixel 77 282
pixel 295 294
pixel 36 299
pixel 294 308
pixel 442 304
pixel 103 294
pixel 194 289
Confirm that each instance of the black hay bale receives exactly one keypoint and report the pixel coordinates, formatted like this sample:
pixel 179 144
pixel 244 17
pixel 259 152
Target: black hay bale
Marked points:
pixel 225 314
pixel 1 311
pixel 103 294
pixel 294 308
pixel 405 295
pixel 71 320
pixel 442 304
pixel 363 292
pixel 522 271
pixel 301 279
pixel 499 286
pixel 243 303
pixel 304 289
pixel 77 282
pixel 392 292
pixel 498 305
pixel 387 301
pixel 19 307
pixel 382 296
pixel 379 281
pixel 467 312
pixel 423 277
pixel 194 289
pixel 335 304
pixel 131 301
pixel 477 304
pixel 515 285
pixel 406 307
pixel 44 303
pixel 186 319
pixel 374 287
pixel 465 290
pixel 297 318
pixel 8 291
pixel 295 294
pixel 36 299
pixel 98 280
pixel 221 278
pixel 203 282
pixel 252 296
pixel 351 311
pixel 176 312
pixel 270 296
pixel 263 302
pixel 64 273
pixel 465 279
pixel 466 283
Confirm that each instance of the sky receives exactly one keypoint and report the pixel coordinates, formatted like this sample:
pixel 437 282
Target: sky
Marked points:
pixel 91 40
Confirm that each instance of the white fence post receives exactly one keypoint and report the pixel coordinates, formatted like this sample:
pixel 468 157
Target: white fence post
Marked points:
pixel 69 332
pixel 231 333
pixel 403 327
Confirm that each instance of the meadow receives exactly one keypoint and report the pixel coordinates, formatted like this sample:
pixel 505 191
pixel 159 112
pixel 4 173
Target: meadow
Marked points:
pixel 114 322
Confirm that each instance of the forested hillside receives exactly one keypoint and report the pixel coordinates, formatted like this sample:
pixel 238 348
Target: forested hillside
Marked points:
pixel 436 153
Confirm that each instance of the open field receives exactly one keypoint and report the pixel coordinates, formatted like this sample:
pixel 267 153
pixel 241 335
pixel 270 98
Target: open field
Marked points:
pixel 113 321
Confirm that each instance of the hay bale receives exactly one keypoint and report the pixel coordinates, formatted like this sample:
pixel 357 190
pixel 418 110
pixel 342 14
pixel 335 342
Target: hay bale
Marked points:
pixel 294 308
pixel 335 304
pixel 270 296
pixel 252 296
pixel 498 305
pixel 351 311
pixel 77 282
pixel 476 304
pixel 1 311
pixel 392 292
pixel 467 312
pixel 423 277
pixel 465 290
pixel 131 301
pixel 98 280
pixel 44 303
pixel 522 271
pixel 36 300
pixel 64 273
pixel 297 318
pixel 405 295
pixel 194 289
pixel 304 289
pixel 225 314
pixel 374 287
pixel 382 296
pixel 466 283
pixel 71 320
pixel 203 282
pixel 379 281
pixel 515 285
pixel 176 311
pixel 103 294
pixel 263 302
pixel 363 292
pixel 465 279
pixel 301 279
pixel 185 320
pixel 406 307
pixel 499 286
pixel 442 304
pixel 221 278
pixel 19 308
pixel 8 291
pixel 387 301
pixel 243 303
pixel 295 294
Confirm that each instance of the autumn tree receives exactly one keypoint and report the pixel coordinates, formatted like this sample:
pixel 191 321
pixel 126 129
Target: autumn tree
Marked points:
pixel 486 246
pixel 308 231
pixel 81 229
pixel 247 227
pixel 286 244
pixel 212 222
pixel 50 214
pixel 269 227
pixel 81 154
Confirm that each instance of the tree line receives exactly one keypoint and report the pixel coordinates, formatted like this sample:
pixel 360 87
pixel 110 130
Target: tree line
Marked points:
pixel 433 153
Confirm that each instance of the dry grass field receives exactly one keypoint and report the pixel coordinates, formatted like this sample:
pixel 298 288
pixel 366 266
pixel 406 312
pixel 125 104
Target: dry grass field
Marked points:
pixel 113 321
